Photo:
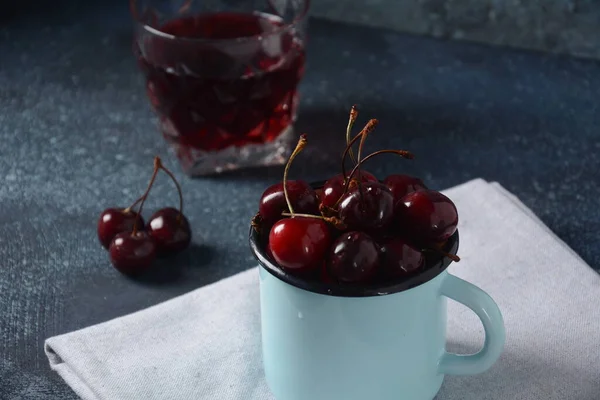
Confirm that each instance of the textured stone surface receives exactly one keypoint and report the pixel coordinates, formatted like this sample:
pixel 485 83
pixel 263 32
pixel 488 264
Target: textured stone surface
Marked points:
pixel 558 26
pixel 77 136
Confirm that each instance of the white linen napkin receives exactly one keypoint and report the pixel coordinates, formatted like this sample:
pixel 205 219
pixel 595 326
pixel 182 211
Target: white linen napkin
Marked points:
pixel 206 344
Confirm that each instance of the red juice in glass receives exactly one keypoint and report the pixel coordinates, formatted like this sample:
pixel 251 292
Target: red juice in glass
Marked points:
pixel 223 84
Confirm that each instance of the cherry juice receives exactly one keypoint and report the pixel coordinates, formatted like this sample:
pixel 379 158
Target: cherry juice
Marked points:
pixel 221 80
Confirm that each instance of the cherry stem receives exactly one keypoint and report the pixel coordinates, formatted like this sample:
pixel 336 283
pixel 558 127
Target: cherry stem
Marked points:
pixel 286 214
pixel 179 192
pixel 299 147
pixel 368 129
pixel 351 121
pixel 451 256
pixel 401 153
pixel 347 150
pixel 128 209
pixel 157 166
pixel 363 138
pixel 365 131
pixel 332 220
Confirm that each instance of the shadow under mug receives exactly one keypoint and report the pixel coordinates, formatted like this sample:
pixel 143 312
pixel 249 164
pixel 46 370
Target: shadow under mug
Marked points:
pixel 323 342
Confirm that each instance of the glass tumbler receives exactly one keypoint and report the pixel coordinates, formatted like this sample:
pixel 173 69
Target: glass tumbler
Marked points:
pixel 222 77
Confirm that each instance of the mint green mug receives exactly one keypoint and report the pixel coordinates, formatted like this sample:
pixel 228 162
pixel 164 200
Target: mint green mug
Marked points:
pixel 324 342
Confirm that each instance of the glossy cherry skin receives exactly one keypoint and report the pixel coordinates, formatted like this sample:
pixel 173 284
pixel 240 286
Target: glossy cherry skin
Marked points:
pixel 353 258
pixel 400 258
pixel 302 196
pixel 368 208
pixel 401 185
pixel 299 244
pixel 113 221
pixel 427 217
pixel 334 187
pixel 132 254
pixel 269 252
pixel 170 230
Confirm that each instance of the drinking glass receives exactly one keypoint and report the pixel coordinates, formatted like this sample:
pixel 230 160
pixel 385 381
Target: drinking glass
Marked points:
pixel 222 77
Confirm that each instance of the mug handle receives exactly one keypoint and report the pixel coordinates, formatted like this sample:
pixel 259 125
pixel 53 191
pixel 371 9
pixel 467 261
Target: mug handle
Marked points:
pixel 489 314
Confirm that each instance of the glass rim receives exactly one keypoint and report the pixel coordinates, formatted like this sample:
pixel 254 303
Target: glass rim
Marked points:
pixel 283 28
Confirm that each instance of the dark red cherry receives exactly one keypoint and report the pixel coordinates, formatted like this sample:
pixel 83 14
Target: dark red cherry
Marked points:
pixel 299 244
pixel 354 257
pixel 132 253
pixel 334 187
pixel 113 221
pixel 324 275
pixel 368 207
pixel 269 253
pixel 272 202
pixel 332 190
pixel 170 230
pixel 401 185
pixel 400 258
pixel 426 217
pixel 319 193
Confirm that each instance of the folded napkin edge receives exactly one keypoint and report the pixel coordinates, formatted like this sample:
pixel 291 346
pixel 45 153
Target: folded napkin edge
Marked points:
pixel 54 340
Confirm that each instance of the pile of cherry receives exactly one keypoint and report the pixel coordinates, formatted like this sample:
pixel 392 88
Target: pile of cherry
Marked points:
pixel 355 229
pixel 133 245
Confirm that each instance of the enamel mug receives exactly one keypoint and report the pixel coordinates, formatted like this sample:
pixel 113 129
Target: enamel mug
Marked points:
pixel 333 342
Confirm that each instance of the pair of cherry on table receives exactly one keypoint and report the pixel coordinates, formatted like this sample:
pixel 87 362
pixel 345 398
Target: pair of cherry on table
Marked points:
pixel 133 245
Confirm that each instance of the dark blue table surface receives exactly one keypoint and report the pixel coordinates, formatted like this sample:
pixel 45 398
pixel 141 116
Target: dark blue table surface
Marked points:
pixel 77 135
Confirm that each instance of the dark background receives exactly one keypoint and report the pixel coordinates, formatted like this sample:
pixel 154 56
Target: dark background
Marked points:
pixel 77 136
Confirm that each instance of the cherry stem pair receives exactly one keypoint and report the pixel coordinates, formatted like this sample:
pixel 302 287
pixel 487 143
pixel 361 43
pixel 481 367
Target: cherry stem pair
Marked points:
pixel 369 127
pixel 158 165
pixel 362 135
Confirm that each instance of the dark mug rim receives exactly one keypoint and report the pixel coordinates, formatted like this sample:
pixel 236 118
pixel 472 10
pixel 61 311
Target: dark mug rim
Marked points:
pixel 352 290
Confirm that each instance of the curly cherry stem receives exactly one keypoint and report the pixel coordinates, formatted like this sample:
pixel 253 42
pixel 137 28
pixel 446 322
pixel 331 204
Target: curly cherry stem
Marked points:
pixel 401 153
pixel 179 192
pixel 157 166
pixel 351 121
pixel 369 127
pixel 299 147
